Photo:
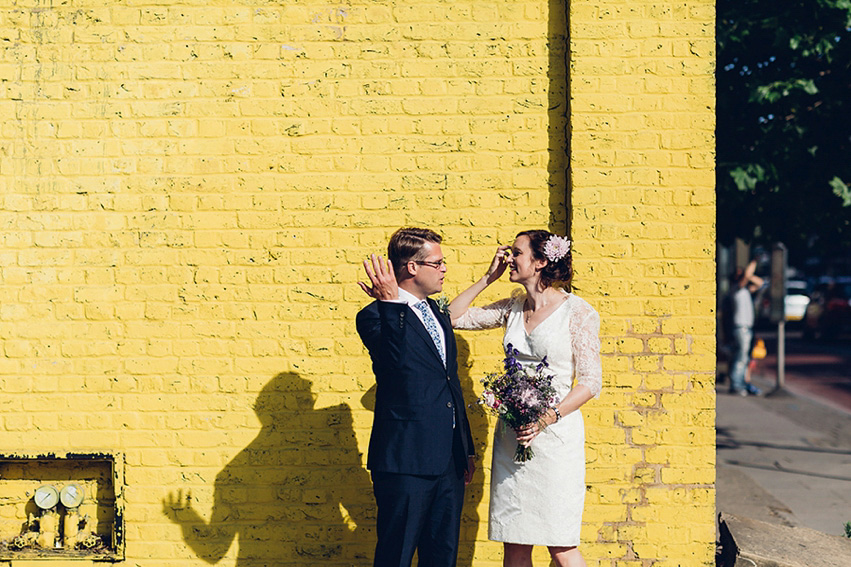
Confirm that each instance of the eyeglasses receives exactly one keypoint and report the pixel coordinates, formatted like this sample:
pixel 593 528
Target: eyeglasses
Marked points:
pixel 435 265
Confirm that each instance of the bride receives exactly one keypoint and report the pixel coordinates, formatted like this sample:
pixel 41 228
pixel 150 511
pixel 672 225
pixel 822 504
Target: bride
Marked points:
pixel 540 502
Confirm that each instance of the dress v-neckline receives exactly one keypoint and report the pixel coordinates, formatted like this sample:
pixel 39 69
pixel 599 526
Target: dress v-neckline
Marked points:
pixel 545 319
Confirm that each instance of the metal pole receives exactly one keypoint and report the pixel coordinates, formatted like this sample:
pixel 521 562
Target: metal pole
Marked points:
pixel 777 289
pixel 781 355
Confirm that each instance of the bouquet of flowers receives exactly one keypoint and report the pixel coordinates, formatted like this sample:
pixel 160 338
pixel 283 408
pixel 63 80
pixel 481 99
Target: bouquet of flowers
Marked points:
pixel 519 396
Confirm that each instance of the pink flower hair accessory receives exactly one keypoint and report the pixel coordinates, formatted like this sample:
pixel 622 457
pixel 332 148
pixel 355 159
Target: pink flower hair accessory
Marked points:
pixel 556 248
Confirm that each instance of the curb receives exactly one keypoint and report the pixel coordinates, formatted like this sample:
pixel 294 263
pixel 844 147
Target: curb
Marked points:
pixel 751 543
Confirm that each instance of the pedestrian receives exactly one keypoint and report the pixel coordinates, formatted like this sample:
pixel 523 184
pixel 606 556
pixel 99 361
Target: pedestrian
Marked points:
pixel 743 316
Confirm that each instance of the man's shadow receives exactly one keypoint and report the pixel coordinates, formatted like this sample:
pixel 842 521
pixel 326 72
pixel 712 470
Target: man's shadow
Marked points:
pixel 297 494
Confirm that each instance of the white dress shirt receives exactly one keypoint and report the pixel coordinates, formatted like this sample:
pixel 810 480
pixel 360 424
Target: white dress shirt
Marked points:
pixel 411 300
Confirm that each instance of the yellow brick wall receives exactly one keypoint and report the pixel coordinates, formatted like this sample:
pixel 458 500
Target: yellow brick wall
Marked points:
pixel 642 186
pixel 187 190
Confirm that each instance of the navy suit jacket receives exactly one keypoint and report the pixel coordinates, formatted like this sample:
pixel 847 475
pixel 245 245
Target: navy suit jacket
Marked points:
pixel 416 398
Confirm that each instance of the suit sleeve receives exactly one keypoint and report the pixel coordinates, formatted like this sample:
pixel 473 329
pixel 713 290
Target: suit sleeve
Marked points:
pixel 381 327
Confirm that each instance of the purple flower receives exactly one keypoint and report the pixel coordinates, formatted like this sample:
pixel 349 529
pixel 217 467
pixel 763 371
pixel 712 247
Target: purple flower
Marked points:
pixel 511 364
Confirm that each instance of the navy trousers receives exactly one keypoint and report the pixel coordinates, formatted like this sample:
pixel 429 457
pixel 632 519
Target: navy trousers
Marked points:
pixel 418 513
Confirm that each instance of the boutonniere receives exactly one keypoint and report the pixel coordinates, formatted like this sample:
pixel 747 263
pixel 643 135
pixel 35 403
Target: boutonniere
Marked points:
pixel 443 305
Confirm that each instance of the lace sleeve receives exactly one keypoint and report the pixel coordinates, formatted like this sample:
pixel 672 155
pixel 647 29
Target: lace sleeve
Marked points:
pixel 585 338
pixel 487 317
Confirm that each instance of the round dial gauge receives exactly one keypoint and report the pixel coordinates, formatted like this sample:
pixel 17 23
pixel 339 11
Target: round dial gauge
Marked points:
pixel 71 496
pixel 46 497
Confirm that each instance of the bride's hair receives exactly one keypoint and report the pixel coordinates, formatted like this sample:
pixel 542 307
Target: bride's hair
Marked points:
pixel 559 272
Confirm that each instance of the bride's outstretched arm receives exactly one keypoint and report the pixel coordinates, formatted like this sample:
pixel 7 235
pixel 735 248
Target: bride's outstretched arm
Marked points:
pixel 462 303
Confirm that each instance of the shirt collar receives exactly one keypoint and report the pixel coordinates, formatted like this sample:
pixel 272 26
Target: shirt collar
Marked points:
pixel 409 297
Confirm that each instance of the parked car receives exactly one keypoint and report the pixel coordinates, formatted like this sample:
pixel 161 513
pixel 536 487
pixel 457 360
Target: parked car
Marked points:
pixel 797 300
pixel 795 303
pixel 829 311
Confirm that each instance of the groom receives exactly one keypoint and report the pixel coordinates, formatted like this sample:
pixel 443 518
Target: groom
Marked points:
pixel 421 451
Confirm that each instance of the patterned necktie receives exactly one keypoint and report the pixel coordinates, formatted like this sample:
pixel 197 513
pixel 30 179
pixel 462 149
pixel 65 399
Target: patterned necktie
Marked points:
pixel 431 327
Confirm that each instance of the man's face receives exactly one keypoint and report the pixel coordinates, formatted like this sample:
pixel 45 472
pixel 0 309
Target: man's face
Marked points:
pixel 429 269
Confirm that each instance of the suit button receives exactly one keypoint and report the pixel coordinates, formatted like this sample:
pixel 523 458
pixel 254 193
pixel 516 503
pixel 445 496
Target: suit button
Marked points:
pixel 449 404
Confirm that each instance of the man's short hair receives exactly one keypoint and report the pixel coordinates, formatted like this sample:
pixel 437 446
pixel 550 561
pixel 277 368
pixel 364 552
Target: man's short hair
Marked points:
pixel 407 244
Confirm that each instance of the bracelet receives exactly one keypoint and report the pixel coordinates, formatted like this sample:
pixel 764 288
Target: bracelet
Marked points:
pixel 558 414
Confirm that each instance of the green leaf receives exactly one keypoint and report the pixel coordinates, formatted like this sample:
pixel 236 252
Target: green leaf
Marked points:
pixel 841 190
pixel 773 92
pixel 808 85
pixel 746 178
pixel 766 93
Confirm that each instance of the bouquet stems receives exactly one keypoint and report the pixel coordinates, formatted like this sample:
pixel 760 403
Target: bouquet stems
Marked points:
pixel 523 453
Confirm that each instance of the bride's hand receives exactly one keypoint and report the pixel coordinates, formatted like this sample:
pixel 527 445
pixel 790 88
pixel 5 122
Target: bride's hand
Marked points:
pixel 499 263
pixel 528 432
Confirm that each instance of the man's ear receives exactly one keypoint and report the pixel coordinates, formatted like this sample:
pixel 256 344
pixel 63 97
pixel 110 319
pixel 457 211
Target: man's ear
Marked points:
pixel 408 270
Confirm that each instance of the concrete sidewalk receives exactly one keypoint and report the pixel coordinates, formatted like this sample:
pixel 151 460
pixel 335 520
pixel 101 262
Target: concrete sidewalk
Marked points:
pixel 784 459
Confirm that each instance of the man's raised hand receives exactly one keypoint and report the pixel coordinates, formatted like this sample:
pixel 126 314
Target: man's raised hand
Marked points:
pixel 383 278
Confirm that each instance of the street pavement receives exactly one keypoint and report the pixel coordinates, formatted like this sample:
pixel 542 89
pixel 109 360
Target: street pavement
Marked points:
pixel 786 458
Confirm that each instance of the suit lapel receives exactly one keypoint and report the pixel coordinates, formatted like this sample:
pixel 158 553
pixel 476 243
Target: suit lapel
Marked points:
pixel 423 332
pixel 448 333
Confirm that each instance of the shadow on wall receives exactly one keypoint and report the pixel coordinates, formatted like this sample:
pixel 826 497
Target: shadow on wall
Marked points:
pixel 558 125
pixel 296 495
pixel 474 494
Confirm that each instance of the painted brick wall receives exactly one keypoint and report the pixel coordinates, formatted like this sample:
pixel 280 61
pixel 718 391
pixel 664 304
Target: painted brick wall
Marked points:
pixel 187 190
pixel 642 186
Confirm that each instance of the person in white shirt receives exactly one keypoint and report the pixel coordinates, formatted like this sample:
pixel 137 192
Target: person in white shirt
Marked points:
pixel 743 318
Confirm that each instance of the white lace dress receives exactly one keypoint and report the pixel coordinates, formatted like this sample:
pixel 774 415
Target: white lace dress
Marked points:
pixel 540 502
